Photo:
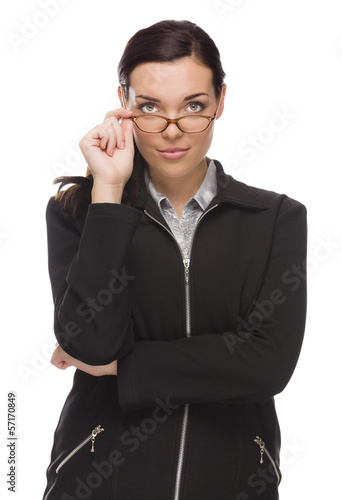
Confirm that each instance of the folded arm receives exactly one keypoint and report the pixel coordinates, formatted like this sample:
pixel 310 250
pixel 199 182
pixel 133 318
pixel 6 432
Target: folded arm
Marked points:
pixel 90 280
pixel 249 365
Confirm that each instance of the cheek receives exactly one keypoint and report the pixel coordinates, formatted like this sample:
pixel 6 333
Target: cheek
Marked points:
pixel 204 139
pixel 142 139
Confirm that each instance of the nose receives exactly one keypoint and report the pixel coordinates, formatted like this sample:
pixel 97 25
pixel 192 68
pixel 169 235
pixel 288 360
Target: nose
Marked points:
pixel 172 131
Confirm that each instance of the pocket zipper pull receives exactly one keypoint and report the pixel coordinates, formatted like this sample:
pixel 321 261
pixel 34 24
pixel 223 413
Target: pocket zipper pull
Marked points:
pixel 262 448
pixel 91 438
pixel 94 433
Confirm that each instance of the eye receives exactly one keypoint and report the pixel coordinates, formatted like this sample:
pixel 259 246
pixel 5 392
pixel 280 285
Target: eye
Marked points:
pixel 196 106
pixel 148 107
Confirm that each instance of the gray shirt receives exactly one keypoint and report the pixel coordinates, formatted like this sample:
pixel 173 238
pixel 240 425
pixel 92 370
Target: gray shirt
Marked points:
pixel 184 227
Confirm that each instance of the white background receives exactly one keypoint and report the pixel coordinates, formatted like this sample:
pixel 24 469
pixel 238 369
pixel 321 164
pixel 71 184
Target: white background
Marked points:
pixel 279 56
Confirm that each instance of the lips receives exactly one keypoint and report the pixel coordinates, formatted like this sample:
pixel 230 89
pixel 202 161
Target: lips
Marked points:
pixel 173 153
pixel 172 150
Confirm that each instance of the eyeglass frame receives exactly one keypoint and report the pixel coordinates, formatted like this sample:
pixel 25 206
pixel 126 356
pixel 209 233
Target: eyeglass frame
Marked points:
pixel 173 120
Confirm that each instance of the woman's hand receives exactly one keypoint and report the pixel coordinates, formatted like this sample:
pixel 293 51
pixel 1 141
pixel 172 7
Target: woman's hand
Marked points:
pixel 62 360
pixel 109 149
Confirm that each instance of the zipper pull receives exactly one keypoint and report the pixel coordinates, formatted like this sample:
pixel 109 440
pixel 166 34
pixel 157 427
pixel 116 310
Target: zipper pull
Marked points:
pixel 186 263
pixel 262 448
pixel 95 432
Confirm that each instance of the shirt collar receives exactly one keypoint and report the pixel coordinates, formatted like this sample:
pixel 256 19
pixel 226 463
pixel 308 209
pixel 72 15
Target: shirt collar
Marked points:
pixel 204 195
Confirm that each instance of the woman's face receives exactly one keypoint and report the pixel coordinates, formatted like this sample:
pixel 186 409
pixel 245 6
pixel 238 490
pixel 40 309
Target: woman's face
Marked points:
pixel 180 88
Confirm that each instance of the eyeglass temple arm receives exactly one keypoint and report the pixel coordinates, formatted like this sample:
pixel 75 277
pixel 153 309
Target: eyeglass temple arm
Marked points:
pixel 123 96
pixel 218 102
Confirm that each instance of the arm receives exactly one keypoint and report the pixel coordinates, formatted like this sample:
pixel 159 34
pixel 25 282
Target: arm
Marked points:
pixel 236 367
pixel 60 359
pixel 90 281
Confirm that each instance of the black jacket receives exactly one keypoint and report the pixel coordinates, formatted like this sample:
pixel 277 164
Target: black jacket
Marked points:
pixel 202 348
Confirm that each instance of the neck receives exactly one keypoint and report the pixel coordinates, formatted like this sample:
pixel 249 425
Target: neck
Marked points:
pixel 179 190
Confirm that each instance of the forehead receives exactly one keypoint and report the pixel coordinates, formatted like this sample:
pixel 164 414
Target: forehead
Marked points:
pixel 171 79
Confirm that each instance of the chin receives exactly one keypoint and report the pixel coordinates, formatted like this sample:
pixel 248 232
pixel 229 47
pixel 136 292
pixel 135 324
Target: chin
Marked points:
pixel 175 168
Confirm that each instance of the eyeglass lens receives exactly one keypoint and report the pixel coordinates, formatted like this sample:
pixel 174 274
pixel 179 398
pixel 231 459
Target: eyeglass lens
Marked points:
pixel 158 124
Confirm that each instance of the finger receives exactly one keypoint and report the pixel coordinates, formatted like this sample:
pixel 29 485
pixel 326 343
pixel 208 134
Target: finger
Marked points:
pixel 119 113
pixel 59 357
pixel 118 138
pixel 112 133
pixel 118 134
pixel 60 363
pixel 63 365
pixel 102 134
pixel 127 128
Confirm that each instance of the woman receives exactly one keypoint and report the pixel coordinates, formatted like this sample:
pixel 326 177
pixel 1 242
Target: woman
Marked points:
pixel 179 294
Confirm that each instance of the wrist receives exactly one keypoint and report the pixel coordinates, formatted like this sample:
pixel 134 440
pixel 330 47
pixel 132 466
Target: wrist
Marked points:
pixel 106 193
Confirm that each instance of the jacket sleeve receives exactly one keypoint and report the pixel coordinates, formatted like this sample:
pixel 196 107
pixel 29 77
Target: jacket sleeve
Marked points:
pixel 90 281
pixel 250 365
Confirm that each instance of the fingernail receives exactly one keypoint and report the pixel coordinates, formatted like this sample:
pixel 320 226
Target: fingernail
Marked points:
pixel 111 152
pixel 122 145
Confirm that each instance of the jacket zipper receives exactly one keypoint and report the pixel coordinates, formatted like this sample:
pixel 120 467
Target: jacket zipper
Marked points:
pixel 263 450
pixel 91 438
pixel 186 263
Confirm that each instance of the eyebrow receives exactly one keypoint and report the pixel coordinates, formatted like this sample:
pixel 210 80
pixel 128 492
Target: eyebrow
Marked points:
pixel 188 98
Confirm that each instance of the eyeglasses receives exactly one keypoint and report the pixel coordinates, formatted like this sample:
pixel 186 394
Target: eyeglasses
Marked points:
pixel 191 124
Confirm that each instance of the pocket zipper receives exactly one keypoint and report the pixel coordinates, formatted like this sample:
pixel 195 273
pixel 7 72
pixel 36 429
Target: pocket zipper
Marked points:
pixel 263 450
pixel 91 438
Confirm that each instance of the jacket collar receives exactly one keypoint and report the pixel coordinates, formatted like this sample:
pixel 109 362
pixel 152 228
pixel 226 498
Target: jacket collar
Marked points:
pixel 234 192
pixel 229 191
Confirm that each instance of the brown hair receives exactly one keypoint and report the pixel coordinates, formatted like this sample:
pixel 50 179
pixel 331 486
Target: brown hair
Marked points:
pixel 165 41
